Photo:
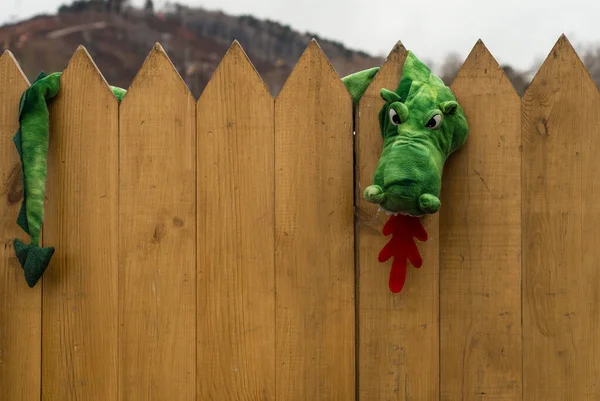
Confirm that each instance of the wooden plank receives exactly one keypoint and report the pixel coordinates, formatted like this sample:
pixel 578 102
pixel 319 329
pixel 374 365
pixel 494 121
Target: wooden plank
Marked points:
pixel 236 278
pixel 398 333
pixel 20 306
pixel 480 241
pixel 561 215
pixel 314 234
pixel 79 341
pixel 157 235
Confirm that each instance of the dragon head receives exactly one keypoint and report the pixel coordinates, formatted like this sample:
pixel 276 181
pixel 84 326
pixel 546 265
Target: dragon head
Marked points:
pixel 421 124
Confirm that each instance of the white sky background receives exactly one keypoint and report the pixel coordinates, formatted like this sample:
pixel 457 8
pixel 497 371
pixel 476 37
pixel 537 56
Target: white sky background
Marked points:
pixel 517 32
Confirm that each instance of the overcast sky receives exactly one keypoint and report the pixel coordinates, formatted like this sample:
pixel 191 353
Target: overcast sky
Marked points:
pixel 516 31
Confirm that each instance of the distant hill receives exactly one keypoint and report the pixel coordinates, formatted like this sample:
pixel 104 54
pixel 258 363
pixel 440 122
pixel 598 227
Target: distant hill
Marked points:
pixel 195 39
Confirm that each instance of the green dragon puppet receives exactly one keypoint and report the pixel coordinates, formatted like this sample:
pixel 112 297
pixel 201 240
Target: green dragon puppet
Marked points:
pixel 421 125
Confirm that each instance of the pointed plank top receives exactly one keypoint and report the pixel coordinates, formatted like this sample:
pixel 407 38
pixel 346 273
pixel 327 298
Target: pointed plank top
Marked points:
pixel 562 62
pixel 81 67
pixel 397 47
pixel 388 76
pixel 480 55
pixel 82 55
pixel 157 69
pixel 236 67
pixel 312 63
pixel 481 74
pixel 9 66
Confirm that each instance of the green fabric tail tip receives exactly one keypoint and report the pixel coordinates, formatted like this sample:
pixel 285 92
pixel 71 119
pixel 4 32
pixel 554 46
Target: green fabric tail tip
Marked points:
pixel 33 259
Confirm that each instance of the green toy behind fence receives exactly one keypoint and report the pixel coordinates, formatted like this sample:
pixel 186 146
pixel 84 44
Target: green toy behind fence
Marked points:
pixel 421 124
pixel 32 141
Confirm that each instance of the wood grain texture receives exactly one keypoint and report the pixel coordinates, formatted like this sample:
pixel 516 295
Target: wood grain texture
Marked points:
pixel 561 215
pixel 157 231
pixel 79 341
pixel 236 277
pixel 398 333
pixel 314 234
pixel 480 241
pixel 20 306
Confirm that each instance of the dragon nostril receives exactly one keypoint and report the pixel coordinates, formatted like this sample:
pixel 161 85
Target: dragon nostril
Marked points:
pixel 374 194
pixel 404 139
pixel 429 203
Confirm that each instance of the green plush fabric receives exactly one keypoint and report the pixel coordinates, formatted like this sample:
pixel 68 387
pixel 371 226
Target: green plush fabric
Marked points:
pixel 118 92
pixel 32 141
pixel 358 83
pixel 421 124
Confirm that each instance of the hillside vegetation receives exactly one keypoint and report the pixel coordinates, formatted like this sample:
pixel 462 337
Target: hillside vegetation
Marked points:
pixel 195 39
pixel 119 38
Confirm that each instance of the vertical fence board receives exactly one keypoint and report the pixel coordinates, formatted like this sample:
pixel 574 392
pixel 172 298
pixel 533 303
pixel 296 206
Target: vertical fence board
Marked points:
pixel 236 293
pixel 480 241
pixel 398 333
pixel 561 215
pixel 79 340
pixel 157 235
pixel 314 234
pixel 20 306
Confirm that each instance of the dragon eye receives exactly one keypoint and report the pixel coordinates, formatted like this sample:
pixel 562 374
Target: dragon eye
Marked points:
pixel 434 122
pixel 394 117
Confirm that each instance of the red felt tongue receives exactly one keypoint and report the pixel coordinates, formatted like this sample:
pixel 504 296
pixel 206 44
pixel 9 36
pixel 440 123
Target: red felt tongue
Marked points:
pixel 402 247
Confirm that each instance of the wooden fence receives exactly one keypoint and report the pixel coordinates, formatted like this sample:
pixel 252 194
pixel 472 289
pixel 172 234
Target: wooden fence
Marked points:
pixel 220 250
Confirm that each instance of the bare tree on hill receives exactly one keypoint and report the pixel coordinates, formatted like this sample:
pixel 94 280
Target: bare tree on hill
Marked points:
pixel 591 60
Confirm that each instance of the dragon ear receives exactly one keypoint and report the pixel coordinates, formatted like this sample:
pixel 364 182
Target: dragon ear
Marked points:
pixel 389 96
pixel 449 107
pixel 358 82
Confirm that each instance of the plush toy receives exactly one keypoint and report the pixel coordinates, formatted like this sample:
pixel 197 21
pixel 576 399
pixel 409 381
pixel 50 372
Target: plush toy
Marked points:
pixel 421 125
pixel 32 140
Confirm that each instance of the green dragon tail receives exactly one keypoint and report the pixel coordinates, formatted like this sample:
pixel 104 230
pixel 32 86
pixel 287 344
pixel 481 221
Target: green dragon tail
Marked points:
pixel 32 142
